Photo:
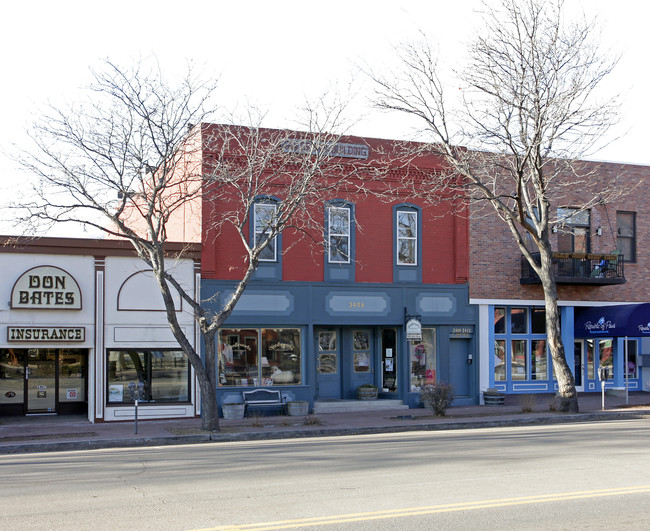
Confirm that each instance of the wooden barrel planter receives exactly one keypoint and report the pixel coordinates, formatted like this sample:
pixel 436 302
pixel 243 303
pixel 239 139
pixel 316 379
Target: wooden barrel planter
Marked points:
pixel 494 399
pixel 367 392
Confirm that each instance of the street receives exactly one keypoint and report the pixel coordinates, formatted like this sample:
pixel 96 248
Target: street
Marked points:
pixel 589 475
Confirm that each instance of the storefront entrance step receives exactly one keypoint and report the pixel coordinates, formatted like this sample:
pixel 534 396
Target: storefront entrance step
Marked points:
pixel 336 406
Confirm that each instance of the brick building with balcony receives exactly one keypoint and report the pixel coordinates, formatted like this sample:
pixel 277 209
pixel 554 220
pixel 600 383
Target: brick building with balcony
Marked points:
pixel 601 259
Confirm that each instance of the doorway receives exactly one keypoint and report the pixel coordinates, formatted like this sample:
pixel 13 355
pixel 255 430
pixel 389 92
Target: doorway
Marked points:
pixel 578 364
pixel 43 381
pixel 346 359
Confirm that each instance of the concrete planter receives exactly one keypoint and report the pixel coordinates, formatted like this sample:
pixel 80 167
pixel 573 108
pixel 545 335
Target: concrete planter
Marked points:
pixel 233 411
pixel 298 408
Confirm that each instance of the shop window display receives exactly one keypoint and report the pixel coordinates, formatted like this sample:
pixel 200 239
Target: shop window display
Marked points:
pixel 164 375
pixel 259 357
pixel 422 356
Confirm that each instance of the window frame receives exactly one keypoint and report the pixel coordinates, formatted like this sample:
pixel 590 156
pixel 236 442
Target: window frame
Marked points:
pixel 632 238
pixel 263 363
pixel 414 239
pixel 273 244
pixel 330 233
pixel 148 365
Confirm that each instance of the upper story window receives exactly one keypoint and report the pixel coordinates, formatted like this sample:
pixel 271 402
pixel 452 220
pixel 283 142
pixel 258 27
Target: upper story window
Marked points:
pixel 338 242
pixel 263 219
pixel 407 237
pixel 573 236
pixel 626 235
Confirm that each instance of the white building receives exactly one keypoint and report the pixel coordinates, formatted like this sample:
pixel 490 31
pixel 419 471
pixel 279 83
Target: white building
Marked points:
pixel 83 331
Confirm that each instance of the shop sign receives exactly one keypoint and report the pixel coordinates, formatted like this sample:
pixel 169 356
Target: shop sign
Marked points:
pixel 413 330
pixel 49 334
pixel 461 332
pixel 46 288
pixel 333 149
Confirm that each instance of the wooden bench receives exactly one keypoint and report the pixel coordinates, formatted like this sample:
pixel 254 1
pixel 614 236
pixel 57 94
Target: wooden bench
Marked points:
pixel 262 398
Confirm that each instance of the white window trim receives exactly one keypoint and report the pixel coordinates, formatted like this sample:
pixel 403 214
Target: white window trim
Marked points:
pixel 331 233
pixel 273 243
pixel 414 238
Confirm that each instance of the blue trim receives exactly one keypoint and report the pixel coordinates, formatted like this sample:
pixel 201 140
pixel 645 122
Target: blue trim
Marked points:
pixel 407 273
pixel 340 272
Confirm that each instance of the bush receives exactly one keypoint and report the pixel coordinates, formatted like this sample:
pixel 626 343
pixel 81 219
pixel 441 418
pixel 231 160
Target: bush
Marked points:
pixel 438 397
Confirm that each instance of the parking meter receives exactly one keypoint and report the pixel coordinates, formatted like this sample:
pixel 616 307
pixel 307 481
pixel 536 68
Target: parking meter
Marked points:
pixel 603 373
pixel 137 392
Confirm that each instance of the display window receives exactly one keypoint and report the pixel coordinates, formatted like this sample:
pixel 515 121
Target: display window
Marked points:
pixel 147 376
pixel 423 359
pixel 259 357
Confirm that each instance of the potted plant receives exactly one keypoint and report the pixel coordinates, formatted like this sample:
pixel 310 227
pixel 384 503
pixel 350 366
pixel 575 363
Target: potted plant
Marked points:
pixel 493 397
pixel 367 392
pixel 233 410
pixel 298 408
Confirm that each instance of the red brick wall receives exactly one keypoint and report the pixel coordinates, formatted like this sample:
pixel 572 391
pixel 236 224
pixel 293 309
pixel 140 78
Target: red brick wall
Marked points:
pixel 495 258
pixel 445 245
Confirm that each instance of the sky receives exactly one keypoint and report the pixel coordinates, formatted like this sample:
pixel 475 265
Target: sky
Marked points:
pixel 274 55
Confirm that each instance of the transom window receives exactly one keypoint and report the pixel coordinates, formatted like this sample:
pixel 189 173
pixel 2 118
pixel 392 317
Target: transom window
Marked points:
pixel 339 235
pixel 264 217
pixel 407 235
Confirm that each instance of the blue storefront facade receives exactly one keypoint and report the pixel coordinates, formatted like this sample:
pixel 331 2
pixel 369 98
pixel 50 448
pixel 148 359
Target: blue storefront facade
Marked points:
pixel 321 341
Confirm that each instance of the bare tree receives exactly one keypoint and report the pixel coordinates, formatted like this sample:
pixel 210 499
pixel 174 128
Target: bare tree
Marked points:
pixel 137 159
pixel 528 111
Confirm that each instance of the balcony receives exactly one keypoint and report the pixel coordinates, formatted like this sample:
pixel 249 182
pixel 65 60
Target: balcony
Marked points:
pixel 579 268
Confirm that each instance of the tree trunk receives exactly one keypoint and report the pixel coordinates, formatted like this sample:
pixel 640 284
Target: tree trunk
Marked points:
pixel 208 385
pixel 567 396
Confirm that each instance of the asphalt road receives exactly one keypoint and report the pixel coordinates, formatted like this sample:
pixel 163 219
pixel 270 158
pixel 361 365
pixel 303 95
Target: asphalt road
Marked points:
pixel 585 476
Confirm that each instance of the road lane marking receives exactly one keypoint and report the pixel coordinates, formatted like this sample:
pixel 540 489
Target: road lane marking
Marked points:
pixel 433 509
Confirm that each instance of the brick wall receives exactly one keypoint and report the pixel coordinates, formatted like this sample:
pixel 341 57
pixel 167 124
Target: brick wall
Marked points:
pixel 495 257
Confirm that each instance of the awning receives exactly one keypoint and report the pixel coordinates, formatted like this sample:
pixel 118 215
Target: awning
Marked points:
pixel 623 320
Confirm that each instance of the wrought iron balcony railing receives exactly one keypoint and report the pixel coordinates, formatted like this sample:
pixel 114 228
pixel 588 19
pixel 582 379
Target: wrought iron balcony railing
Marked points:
pixel 579 268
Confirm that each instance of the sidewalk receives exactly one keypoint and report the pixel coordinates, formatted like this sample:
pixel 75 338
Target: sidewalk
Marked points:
pixel 54 433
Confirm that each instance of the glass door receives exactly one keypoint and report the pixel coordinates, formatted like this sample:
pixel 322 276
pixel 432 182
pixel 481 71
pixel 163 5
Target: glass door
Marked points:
pixel 578 364
pixel 41 381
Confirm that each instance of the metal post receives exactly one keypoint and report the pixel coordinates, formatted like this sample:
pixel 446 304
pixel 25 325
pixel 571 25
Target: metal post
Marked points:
pixel 627 382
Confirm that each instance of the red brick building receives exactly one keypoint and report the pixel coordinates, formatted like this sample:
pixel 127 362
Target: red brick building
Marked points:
pixel 318 320
pixel 612 235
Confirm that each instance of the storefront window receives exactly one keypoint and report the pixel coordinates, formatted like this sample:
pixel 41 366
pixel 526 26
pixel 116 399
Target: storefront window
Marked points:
pixel 164 375
pixel 422 357
pixel 519 320
pixel 538 363
pixel 276 362
pixel 499 320
pixel 72 375
pixel 591 371
pixel 631 358
pixel 499 360
pixel 538 320
pixel 518 367
pixel 12 376
pixel 606 356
